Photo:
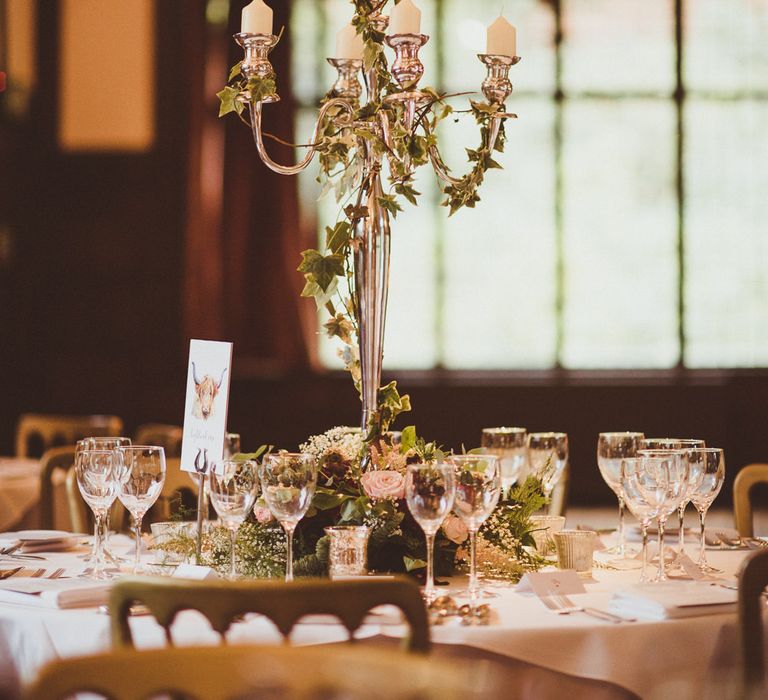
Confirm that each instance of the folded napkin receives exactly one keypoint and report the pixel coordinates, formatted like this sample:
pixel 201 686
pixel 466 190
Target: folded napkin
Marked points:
pixel 673 600
pixel 55 593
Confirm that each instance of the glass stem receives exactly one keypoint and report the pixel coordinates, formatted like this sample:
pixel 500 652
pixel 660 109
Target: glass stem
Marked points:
pixel 137 554
pixel 232 542
pixel 474 588
pixel 98 543
pixel 681 516
pixel 703 545
pixel 662 576
pixel 621 547
pixel 289 528
pixel 429 587
pixel 644 570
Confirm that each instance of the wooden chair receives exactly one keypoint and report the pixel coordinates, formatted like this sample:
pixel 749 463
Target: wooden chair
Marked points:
pixel 53 460
pixel 226 673
pixel 38 432
pixel 746 479
pixel 167 436
pixel 753 579
pixel 221 602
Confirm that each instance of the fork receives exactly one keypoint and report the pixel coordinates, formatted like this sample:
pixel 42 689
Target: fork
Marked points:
pixel 56 573
pixel 9 572
pixel 37 573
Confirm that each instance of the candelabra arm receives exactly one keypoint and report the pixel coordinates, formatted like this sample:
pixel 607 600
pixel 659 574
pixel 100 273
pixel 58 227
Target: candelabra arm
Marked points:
pixel 256 127
pixel 438 165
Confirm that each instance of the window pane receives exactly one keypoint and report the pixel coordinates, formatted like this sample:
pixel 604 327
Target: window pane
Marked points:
pixel 726 252
pixel 465 37
pixel 306 32
pixel 618 46
pixel 620 234
pixel 725 45
pixel 499 308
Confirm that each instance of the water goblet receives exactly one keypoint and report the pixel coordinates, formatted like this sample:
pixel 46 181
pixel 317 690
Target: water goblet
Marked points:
pixel 141 475
pixel 478 487
pixel 670 474
pixel 511 446
pixel 288 481
pixel 643 496
pixel 612 448
pixel 233 487
pixel 711 462
pixel 102 443
pixel 547 457
pixel 430 490
pixel 96 472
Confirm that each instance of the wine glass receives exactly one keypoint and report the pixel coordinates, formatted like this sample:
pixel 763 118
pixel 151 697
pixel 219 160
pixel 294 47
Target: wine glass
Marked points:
pixel 670 473
pixel 643 495
pixel 478 487
pixel 711 462
pixel 547 457
pixel 612 448
pixel 102 443
pixel 96 472
pixel 141 475
pixel 288 481
pixel 511 446
pixel 233 487
pixel 429 492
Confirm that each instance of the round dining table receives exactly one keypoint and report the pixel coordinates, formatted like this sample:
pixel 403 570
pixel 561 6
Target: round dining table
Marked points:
pixel 530 650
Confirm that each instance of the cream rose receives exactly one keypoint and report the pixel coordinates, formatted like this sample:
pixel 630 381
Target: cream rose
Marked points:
pixel 262 514
pixel 455 529
pixel 383 483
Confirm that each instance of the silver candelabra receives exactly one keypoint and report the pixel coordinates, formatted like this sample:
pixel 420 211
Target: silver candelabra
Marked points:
pixel 372 232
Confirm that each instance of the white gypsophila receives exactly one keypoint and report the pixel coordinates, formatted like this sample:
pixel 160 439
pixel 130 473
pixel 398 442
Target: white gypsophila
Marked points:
pixel 338 440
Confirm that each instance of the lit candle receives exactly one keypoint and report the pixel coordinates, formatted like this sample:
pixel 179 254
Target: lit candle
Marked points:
pixel 349 44
pixel 405 18
pixel 257 18
pixel 502 38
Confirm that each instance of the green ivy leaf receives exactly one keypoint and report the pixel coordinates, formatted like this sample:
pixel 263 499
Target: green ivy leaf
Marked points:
pixel 228 97
pixel 413 564
pixel 336 238
pixel 235 71
pixel 388 202
pixel 408 438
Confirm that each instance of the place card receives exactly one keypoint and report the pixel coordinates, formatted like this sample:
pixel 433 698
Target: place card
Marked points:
pixel 205 409
pixel 548 583
pixel 194 572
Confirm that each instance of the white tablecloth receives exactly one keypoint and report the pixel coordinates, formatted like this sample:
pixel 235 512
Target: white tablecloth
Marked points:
pixel 666 659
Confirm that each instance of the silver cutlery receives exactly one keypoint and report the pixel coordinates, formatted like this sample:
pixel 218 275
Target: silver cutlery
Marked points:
pixel 37 573
pixel 56 573
pixel 562 605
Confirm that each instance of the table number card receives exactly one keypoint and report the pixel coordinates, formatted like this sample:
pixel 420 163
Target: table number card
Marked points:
pixel 205 409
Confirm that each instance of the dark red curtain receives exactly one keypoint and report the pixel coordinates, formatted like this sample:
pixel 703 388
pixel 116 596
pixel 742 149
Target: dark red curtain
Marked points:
pixel 243 237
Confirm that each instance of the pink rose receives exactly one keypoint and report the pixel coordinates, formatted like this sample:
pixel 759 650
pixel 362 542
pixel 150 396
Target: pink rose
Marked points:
pixel 383 483
pixel 263 515
pixel 455 528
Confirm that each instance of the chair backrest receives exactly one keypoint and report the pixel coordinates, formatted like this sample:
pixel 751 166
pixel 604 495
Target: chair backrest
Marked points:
pixel 177 484
pixel 221 602
pixel 53 459
pixel 753 579
pixel 746 479
pixel 80 515
pixel 289 673
pixel 38 432
pixel 166 436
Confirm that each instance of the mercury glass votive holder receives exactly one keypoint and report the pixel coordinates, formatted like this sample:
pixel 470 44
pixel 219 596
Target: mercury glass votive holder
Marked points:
pixel 544 529
pixel 348 550
pixel 575 549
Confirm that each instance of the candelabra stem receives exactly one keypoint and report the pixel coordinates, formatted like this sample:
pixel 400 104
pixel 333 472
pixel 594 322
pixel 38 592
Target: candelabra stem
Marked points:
pixel 372 248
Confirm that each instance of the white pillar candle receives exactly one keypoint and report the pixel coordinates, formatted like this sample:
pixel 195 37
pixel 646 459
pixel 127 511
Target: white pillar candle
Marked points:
pixel 256 18
pixel 502 38
pixel 349 44
pixel 405 18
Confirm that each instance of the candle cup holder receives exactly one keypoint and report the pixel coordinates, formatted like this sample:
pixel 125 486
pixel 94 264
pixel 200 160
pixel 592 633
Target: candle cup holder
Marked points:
pixel 347 85
pixel 348 550
pixel 497 86
pixel 256 62
pixel 407 68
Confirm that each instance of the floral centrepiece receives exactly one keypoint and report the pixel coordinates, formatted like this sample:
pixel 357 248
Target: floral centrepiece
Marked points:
pixel 347 494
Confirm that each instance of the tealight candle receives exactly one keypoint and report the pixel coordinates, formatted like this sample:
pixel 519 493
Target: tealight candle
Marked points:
pixel 256 18
pixel 502 38
pixel 405 18
pixel 349 44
